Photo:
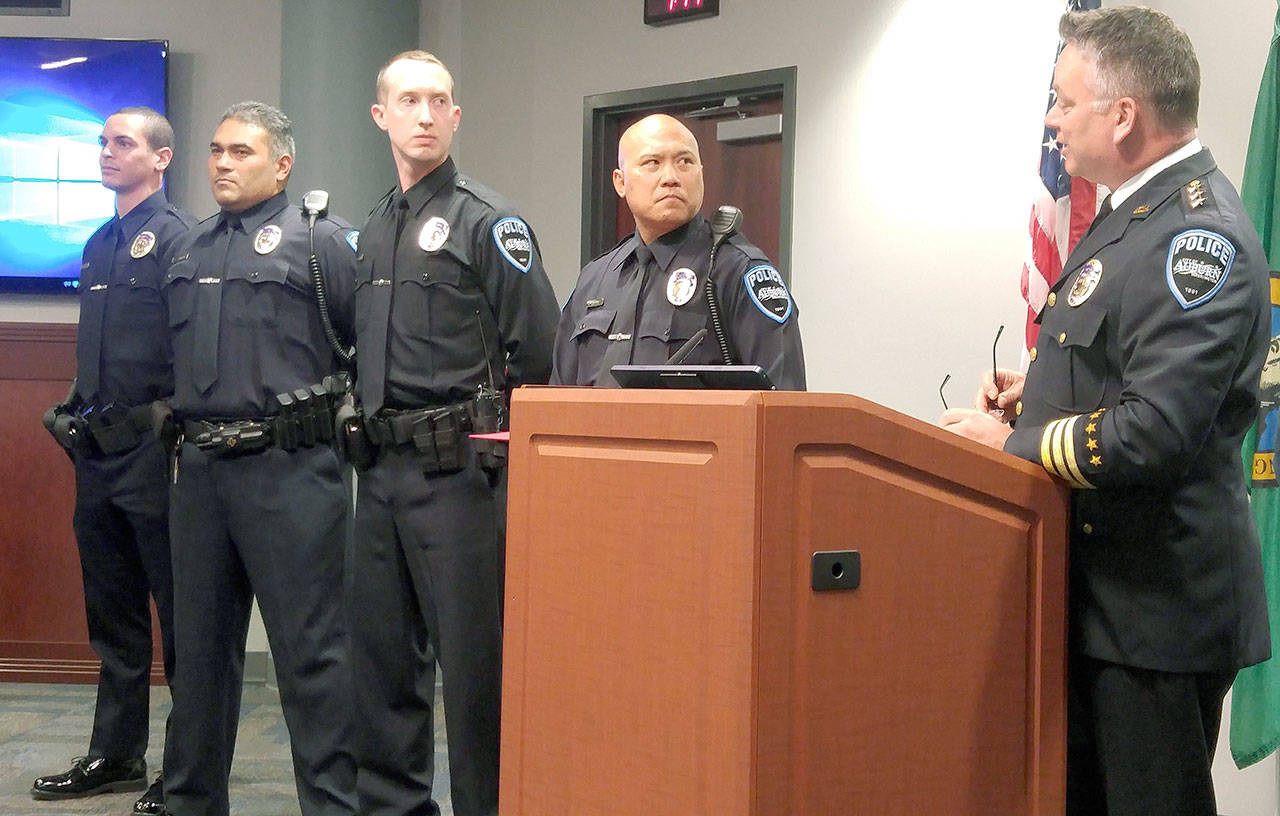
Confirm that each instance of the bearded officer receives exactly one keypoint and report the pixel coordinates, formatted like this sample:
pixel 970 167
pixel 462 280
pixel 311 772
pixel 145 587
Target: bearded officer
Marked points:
pixel 258 505
pixel 453 310
pixel 1142 384
pixel 644 299
pixel 123 364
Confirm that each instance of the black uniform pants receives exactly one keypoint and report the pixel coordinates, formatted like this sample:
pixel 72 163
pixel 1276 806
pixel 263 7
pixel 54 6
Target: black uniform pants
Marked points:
pixel 427 583
pixel 122 530
pixel 270 525
pixel 1141 742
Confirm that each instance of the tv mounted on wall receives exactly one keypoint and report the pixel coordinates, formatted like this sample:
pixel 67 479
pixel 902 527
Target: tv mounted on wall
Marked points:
pixel 55 95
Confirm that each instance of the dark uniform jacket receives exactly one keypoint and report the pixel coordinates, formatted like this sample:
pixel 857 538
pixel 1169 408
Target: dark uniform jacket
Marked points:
pixel 758 312
pixel 250 304
pixel 1141 388
pixel 466 278
pixel 123 326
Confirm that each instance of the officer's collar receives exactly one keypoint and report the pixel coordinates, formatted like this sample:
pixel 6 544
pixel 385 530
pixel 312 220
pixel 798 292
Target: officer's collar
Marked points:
pixel 260 213
pixel 665 247
pixel 420 193
pixel 133 220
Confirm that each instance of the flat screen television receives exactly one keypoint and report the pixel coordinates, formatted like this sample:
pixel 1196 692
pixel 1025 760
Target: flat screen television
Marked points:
pixel 55 96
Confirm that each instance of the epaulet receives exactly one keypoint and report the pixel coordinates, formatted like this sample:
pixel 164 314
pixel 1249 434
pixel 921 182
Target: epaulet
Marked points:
pixel 486 195
pixel 1196 195
pixel 614 248
pixel 753 252
pixel 383 202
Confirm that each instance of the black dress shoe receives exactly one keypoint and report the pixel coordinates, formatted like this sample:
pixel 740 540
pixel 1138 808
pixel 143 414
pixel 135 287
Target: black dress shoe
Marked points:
pixel 89 776
pixel 152 802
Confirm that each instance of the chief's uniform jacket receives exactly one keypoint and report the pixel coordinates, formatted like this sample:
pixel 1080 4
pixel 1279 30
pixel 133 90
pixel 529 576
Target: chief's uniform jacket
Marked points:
pixel 268 524
pixel 757 311
pixel 1139 396
pixel 122 499
pixel 462 276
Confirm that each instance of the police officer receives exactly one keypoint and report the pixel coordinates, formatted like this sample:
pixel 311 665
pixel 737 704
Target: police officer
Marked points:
pixel 644 299
pixel 451 301
pixel 258 506
pixel 1142 384
pixel 123 364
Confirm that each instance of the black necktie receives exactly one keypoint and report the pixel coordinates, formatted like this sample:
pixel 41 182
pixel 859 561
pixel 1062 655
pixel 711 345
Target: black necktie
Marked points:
pixel 622 332
pixel 1103 212
pixel 209 309
pixel 89 364
pixel 372 374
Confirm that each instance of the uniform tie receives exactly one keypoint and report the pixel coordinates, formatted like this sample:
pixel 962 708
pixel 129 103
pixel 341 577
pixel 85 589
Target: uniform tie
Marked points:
pixel 209 310
pixel 621 349
pixel 1103 212
pixel 372 373
pixel 89 359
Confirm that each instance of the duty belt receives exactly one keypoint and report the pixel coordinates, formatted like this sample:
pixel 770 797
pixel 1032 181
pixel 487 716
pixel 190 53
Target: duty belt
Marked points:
pixel 232 437
pixel 116 429
pixel 305 419
pixel 392 427
pixel 436 433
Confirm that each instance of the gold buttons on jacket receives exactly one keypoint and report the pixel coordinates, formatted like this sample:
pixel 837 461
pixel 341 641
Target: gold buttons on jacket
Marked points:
pixel 1053 298
pixel 1062 338
pixel 1017 409
pixel 1087 528
pixel 1033 355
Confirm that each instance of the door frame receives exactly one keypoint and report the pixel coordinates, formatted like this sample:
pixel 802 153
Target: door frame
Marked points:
pixel 600 116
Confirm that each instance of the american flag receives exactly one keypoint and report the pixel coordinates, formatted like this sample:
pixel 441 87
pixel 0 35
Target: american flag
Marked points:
pixel 1061 212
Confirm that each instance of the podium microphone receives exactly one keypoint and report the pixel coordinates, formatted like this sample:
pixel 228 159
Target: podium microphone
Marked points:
pixel 689 345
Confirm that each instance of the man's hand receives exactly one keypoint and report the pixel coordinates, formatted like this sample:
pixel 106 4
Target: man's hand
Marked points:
pixel 997 397
pixel 979 426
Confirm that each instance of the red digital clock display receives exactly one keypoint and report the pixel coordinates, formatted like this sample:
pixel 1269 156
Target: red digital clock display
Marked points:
pixel 661 12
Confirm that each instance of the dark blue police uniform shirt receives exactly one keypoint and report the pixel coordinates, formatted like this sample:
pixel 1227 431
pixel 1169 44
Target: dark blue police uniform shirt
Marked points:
pixel 135 361
pixel 466 277
pixel 270 338
pixel 762 319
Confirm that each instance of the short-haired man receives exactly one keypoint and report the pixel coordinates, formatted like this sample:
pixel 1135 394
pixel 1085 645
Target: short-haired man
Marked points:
pixel 644 299
pixel 451 296
pixel 258 505
pixel 123 364
pixel 1141 387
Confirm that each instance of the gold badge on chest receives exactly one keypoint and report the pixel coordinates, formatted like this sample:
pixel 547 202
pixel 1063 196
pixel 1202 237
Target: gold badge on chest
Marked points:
pixel 1086 282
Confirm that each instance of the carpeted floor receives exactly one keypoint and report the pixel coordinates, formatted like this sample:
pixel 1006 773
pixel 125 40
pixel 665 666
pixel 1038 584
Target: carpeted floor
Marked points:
pixel 42 727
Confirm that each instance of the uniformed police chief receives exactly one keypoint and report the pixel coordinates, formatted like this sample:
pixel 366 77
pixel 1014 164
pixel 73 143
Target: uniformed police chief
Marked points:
pixel 258 504
pixel 645 299
pixel 123 365
pixel 1142 385
pixel 453 309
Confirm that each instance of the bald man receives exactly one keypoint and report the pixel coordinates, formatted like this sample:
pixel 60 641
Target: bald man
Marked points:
pixel 644 299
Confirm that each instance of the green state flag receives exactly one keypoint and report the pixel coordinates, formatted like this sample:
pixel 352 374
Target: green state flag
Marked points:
pixel 1255 699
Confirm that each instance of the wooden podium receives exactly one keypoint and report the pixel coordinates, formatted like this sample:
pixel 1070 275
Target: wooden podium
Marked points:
pixel 666 652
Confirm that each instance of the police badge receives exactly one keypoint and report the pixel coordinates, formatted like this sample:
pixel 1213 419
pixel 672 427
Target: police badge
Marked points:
pixel 681 286
pixel 143 244
pixel 1086 282
pixel 267 239
pixel 514 242
pixel 434 233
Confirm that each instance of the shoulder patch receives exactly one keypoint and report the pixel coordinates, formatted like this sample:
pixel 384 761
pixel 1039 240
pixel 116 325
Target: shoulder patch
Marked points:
pixel 512 237
pixel 353 240
pixel 768 292
pixel 1198 264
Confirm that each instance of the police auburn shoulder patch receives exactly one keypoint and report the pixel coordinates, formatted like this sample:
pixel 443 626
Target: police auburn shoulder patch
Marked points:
pixel 515 242
pixel 1198 264
pixel 768 292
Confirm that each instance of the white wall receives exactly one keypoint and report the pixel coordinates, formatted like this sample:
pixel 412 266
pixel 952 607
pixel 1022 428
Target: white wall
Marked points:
pixel 918 124
pixel 219 53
